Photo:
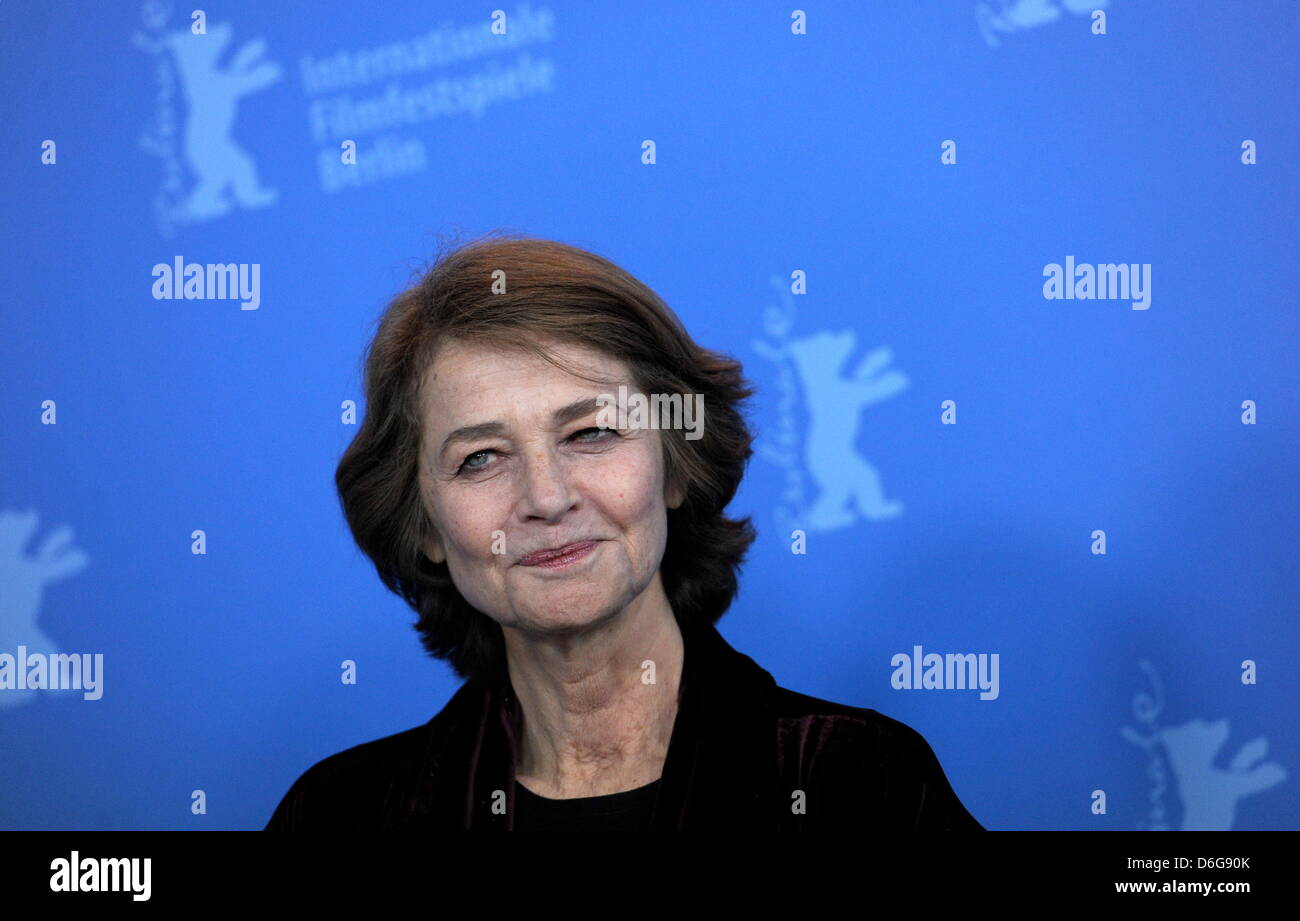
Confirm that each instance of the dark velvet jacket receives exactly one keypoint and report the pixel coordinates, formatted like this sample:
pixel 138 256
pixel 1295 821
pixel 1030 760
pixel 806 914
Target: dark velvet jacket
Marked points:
pixel 740 749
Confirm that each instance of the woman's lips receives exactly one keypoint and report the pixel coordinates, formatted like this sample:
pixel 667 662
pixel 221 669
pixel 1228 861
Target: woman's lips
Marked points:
pixel 556 559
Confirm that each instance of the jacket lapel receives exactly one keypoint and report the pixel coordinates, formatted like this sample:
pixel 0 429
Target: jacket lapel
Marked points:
pixel 722 757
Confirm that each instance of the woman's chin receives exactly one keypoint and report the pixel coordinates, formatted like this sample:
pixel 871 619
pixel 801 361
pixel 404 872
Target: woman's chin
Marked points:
pixel 573 611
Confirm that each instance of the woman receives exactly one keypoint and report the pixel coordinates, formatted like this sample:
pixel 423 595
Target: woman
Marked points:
pixel 569 557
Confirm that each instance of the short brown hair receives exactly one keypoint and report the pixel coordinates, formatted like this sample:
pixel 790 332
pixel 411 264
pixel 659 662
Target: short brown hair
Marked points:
pixel 559 293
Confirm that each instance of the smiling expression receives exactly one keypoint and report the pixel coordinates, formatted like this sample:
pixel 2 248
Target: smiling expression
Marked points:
pixel 512 463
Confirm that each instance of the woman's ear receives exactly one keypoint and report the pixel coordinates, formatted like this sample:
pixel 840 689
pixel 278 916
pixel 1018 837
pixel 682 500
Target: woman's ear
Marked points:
pixel 674 495
pixel 433 549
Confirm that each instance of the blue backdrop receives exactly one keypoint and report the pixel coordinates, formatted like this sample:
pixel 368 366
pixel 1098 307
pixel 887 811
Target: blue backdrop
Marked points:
pixel 871 205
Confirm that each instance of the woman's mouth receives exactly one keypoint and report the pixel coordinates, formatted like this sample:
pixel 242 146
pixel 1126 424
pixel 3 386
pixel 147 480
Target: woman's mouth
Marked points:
pixel 559 558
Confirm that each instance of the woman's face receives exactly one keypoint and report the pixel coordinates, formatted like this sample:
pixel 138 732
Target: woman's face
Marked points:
pixel 538 474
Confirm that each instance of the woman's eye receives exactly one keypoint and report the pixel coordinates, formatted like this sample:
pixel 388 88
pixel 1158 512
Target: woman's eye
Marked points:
pixel 466 465
pixel 588 436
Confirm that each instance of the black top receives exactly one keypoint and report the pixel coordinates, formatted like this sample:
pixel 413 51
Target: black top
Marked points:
pixel 745 755
pixel 625 811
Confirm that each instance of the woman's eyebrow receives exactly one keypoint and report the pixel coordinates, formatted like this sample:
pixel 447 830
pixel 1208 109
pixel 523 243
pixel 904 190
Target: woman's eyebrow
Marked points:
pixel 472 433
pixel 575 410
pixel 562 416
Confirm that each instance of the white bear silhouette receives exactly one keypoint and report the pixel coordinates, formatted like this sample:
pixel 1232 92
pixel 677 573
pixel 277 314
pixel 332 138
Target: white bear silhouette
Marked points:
pixel 23 578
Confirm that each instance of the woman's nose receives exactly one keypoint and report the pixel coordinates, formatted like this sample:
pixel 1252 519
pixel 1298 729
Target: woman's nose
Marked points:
pixel 546 491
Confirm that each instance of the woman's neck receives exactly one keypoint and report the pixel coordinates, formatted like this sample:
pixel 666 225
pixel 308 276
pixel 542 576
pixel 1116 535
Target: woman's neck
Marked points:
pixel 599 706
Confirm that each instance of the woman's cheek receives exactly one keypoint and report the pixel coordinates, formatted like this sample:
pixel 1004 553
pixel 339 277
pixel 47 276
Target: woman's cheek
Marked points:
pixel 641 486
pixel 472 527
